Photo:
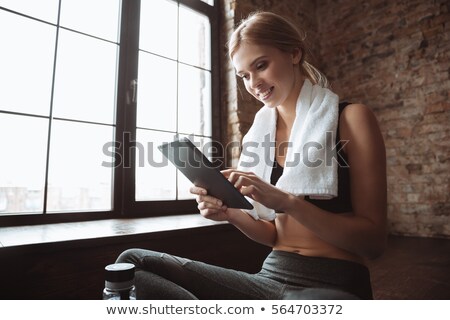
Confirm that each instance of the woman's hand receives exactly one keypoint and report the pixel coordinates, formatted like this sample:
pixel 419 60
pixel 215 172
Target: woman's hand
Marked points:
pixel 210 207
pixel 252 186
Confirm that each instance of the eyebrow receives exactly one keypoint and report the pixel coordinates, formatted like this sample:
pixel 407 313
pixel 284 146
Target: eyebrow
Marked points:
pixel 253 62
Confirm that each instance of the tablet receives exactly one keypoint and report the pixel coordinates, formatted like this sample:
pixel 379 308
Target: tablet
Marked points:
pixel 201 172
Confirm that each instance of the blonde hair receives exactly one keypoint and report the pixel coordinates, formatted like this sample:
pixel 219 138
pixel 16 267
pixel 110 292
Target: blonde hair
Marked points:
pixel 266 28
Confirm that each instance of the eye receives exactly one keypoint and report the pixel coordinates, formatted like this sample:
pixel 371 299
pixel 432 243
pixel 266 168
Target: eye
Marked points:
pixel 243 76
pixel 261 65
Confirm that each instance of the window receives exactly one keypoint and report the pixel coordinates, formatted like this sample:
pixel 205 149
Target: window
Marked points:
pixel 90 88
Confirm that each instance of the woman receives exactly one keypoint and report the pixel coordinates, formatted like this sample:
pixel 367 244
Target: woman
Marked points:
pixel 319 246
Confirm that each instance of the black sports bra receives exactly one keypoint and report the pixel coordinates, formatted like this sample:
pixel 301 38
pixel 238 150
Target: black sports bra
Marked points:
pixel 343 202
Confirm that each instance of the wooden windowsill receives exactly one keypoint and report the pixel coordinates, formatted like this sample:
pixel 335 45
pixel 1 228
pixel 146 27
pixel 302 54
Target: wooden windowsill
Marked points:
pixel 100 230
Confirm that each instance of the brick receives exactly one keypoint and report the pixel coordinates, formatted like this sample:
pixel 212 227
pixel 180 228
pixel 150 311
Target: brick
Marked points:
pixel 440 19
pixel 438 107
pixel 413 197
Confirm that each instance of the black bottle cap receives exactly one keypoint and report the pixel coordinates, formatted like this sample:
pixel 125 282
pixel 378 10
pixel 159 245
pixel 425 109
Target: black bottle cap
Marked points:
pixel 119 272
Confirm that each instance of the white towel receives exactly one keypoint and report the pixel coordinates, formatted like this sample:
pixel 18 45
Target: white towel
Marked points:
pixel 314 128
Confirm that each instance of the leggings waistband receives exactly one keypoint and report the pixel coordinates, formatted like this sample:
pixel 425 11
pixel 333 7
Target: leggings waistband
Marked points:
pixel 305 271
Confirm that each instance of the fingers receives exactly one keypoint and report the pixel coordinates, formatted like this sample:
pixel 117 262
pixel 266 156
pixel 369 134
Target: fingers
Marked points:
pixel 227 172
pixel 233 172
pixel 203 197
pixel 244 181
pixel 197 190
pixel 249 191
pixel 211 206
pixel 208 205
pixel 234 176
pixel 209 199
pixel 211 210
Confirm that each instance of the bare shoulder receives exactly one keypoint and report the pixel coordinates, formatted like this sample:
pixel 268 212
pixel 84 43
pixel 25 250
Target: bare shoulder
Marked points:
pixel 358 124
pixel 356 112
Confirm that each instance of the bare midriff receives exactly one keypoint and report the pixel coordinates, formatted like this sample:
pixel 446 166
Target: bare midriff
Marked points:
pixel 292 236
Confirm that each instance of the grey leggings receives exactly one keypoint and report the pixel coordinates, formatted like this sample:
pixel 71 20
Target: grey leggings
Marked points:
pixel 284 275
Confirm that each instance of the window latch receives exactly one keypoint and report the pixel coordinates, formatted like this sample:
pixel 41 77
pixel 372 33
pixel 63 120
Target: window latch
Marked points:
pixel 133 91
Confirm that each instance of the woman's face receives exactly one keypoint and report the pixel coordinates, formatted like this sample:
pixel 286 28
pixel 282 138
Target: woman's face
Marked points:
pixel 269 74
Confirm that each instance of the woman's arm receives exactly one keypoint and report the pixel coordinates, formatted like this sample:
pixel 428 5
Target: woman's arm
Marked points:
pixel 362 231
pixel 261 231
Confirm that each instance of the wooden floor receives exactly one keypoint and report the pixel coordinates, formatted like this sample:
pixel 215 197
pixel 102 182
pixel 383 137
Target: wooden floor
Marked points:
pixel 413 268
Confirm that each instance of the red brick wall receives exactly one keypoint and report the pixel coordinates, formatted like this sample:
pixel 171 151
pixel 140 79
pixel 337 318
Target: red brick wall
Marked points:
pixel 393 56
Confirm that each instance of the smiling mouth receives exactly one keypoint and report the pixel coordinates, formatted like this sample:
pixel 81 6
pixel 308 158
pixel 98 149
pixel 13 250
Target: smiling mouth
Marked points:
pixel 265 94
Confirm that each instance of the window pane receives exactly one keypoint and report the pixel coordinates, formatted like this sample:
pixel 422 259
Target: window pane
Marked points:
pixel 158 27
pixel 26 64
pixel 77 179
pixel 195 38
pixel 194 103
pixel 157 93
pixel 155 176
pixel 85 78
pixel 210 2
pixel 95 17
pixel 43 9
pixel 22 164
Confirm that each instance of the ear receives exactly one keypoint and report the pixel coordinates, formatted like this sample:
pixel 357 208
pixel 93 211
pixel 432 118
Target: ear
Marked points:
pixel 297 56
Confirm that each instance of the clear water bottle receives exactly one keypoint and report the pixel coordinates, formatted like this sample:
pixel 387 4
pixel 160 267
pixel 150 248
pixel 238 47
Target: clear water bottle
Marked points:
pixel 119 282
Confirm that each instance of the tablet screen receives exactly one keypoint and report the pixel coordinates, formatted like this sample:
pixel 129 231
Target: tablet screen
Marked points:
pixel 201 172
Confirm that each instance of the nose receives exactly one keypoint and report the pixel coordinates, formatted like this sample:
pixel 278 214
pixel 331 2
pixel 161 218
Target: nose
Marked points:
pixel 255 81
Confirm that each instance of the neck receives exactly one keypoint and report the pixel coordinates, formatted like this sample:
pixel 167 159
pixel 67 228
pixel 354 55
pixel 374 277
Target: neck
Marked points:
pixel 285 118
pixel 287 110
